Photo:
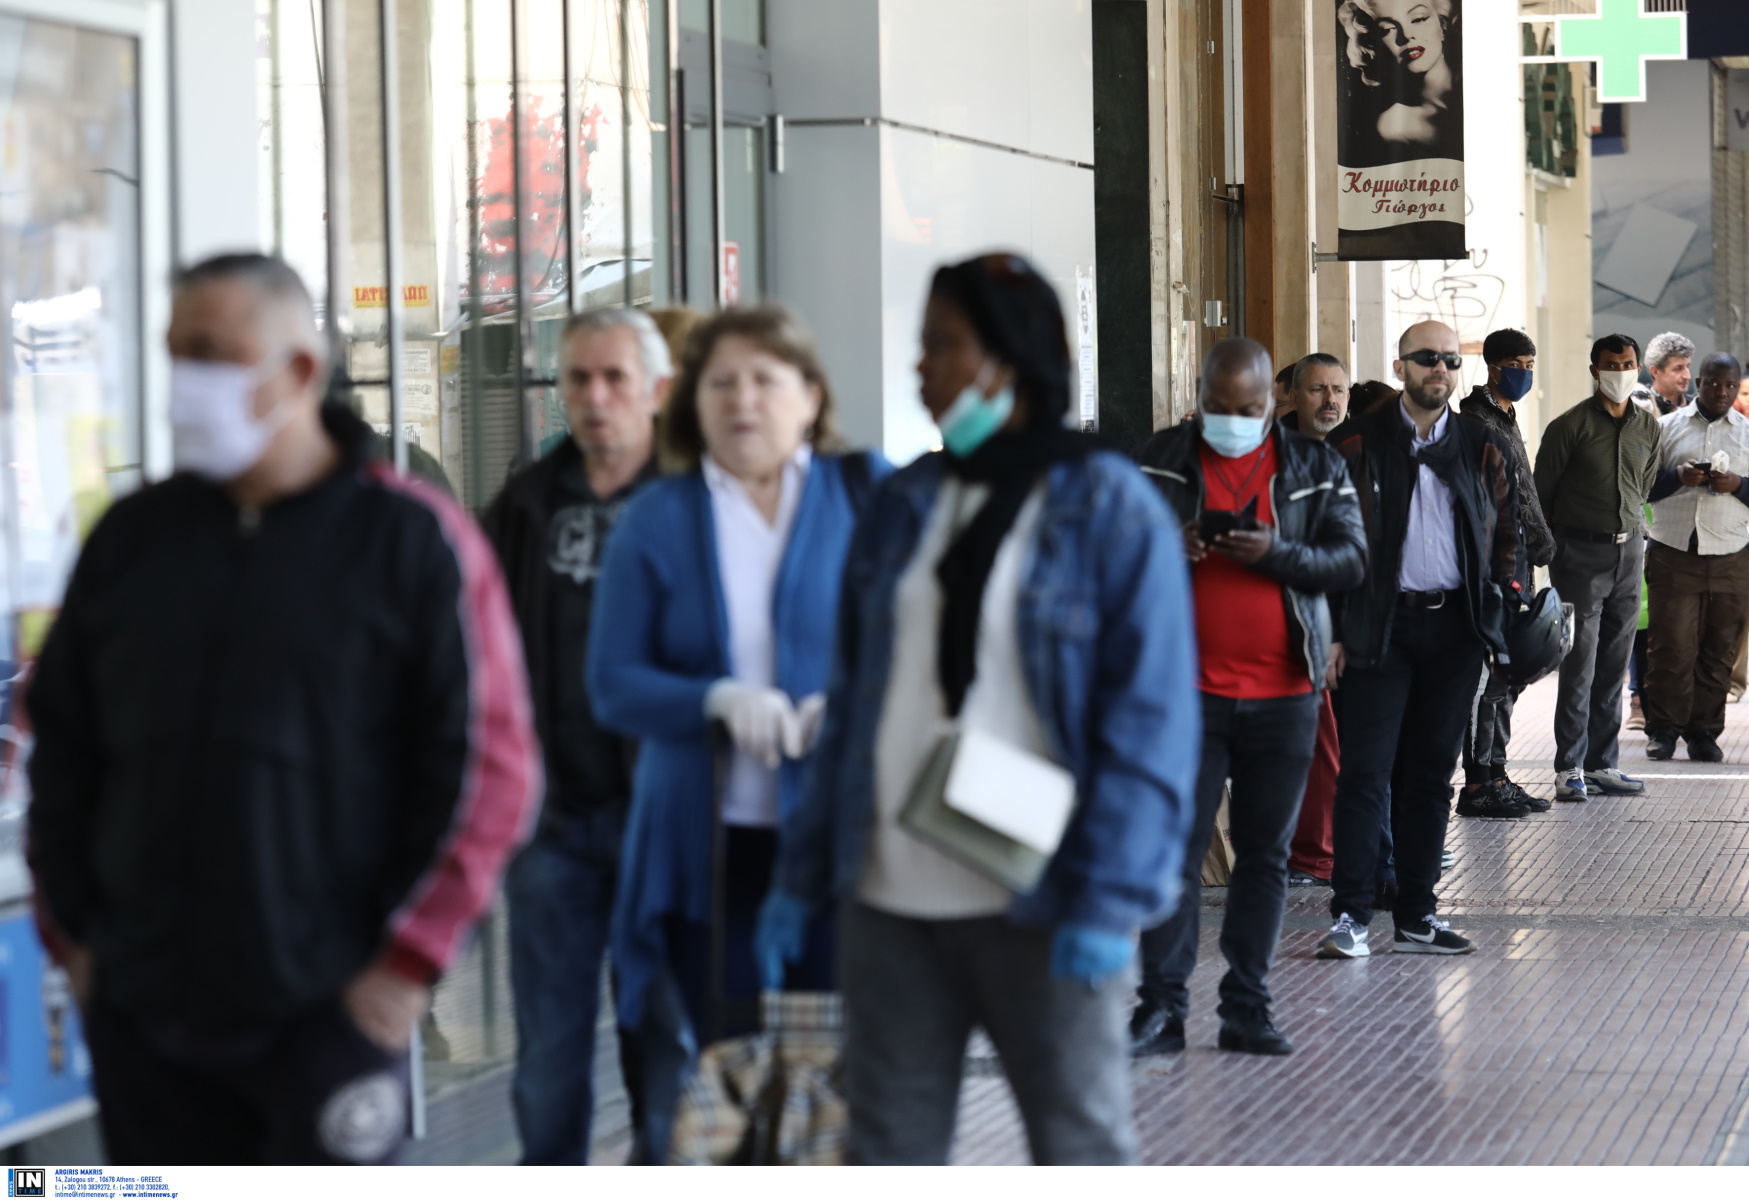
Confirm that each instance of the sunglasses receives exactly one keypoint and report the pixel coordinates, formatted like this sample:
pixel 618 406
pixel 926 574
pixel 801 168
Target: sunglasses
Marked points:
pixel 1432 358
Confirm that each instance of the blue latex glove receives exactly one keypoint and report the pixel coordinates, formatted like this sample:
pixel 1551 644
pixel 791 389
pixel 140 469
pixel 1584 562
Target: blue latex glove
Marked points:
pixel 1090 956
pixel 780 936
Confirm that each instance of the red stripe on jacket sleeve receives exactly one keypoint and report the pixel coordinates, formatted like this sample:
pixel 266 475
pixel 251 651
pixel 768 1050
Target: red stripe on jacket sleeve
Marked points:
pixel 501 779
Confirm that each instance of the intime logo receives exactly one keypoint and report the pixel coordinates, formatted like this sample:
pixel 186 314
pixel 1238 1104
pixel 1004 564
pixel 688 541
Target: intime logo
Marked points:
pixel 27 1182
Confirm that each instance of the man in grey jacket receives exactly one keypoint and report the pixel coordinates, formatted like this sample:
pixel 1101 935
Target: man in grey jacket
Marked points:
pixel 1488 792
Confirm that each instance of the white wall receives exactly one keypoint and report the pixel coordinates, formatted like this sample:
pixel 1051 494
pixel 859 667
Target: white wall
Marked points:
pixel 864 213
pixel 218 193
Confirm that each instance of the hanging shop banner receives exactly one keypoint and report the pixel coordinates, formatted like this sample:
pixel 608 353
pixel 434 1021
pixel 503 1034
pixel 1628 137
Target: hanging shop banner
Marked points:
pixel 1400 129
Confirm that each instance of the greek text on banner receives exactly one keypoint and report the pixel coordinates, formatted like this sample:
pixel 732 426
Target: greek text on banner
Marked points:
pixel 1399 194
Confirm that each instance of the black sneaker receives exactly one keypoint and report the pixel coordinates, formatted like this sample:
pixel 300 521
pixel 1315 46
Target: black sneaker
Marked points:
pixel 1430 936
pixel 1490 801
pixel 1660 744
pixel 1253 1034
pixel 1535 804
pixel 1346 940
pixel 1304 880
pixel 1154 1030
pixel 1704 748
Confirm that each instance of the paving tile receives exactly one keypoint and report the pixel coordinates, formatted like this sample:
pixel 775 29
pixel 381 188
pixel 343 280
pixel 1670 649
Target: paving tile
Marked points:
pixel 1604 1018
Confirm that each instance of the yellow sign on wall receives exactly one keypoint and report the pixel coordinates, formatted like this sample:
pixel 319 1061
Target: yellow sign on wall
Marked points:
pixel 414 296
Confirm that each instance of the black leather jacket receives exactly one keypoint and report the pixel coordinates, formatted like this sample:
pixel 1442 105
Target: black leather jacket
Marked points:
pixel 1377 449
pixel 1320 541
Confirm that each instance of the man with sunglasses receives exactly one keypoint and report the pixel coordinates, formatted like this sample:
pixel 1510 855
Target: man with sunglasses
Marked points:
pixel 1594 473
pixel 1438 498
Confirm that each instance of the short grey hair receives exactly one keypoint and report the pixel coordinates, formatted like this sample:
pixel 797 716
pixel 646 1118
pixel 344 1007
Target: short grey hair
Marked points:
pixel 275 280
pixel 1663 348
pixel 1316 359
pixel 652 346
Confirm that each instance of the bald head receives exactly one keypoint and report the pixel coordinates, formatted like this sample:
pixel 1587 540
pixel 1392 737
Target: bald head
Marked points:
pixel 1237 378
pixel 1427 363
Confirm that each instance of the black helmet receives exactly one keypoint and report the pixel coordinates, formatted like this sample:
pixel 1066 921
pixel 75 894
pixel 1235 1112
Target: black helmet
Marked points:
pixel 1538 637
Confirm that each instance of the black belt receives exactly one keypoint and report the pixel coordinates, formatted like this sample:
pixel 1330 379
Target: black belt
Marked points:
pixel 1591 536
pixel 1425 600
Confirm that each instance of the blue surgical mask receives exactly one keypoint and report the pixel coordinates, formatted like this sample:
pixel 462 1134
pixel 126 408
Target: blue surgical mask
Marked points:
pixel 1233 437
pixel 1515 383
pixel 973 418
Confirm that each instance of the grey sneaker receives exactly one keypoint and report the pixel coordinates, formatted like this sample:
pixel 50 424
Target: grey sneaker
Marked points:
pixel 1611 782
pixel 1571 787
pixel 1346 940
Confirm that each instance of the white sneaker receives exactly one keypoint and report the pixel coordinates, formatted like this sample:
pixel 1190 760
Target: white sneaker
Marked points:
pixel 1571 787
pixel 1346 940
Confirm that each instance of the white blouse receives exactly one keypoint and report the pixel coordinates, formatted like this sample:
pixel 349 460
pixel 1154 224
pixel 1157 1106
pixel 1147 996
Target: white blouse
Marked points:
pixel 749 553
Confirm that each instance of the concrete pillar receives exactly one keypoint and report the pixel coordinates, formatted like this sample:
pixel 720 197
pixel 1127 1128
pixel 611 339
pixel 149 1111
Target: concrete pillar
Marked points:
pixel 904 152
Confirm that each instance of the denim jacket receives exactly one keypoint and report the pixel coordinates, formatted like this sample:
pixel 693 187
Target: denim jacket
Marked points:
pixel 1109 650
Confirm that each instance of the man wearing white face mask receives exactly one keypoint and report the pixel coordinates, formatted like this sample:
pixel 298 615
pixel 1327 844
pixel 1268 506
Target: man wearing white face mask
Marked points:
pixel 1271 525
pixel 283 749
pixel 1594 473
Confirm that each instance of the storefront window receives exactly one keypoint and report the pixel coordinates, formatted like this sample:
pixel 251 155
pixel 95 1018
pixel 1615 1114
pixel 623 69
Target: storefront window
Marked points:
pixel 526 194
pixel 70 412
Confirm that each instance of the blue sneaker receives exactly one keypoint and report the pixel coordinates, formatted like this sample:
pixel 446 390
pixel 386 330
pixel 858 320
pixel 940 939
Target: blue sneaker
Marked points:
pixel 1571 787
pixel 1611 782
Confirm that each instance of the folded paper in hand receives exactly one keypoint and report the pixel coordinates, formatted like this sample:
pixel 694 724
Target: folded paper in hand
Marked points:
pixel 1013 792
pixel 1721 461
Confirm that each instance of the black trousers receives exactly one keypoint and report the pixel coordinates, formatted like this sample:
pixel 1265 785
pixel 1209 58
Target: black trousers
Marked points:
pixel 1403 725
pixel 315 1092
pixel 1265 748
pixel 1490 732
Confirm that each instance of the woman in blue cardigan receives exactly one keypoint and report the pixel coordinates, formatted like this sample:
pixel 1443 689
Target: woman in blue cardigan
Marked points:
pixel 715 614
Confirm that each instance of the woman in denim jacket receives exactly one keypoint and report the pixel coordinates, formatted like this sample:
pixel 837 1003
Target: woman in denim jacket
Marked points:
pixel 1031 587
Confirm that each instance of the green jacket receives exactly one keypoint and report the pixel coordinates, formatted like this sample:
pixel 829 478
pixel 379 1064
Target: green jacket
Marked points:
pixel 1594 472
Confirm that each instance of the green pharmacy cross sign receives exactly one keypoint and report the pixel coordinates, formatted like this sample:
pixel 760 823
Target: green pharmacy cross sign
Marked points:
pixel 1620 37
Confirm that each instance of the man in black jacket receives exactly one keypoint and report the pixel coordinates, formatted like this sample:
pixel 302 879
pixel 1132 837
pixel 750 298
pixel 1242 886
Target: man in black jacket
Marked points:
pixel 283 749
pixel 1510 356
pixel 549 527
pixel 1441 522
pixel 1271 525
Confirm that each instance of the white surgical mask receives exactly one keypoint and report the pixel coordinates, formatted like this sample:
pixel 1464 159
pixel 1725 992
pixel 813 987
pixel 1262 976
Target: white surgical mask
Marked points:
pixel 214 431
pixel 1617 386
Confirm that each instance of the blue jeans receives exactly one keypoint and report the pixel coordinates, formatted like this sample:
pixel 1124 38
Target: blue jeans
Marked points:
pixel 560 889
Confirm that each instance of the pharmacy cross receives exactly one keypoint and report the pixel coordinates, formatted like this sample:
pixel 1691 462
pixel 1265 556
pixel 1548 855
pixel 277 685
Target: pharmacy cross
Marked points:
pixel 1621 37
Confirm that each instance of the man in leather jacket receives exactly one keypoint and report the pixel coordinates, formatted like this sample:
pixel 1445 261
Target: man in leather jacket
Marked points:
pixel 1510 357
pixel 1436 491
pixel 1271 524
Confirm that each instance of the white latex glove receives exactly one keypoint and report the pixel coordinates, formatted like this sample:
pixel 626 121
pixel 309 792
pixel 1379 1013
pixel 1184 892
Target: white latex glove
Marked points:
pixel 805 729
pixel 759 719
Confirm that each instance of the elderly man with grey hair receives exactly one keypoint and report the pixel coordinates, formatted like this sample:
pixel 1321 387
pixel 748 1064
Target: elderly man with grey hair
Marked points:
pixel 549 527
pixel 1670 358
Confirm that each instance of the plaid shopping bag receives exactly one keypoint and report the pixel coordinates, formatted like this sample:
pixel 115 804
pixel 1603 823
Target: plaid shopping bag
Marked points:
pixel 769 1098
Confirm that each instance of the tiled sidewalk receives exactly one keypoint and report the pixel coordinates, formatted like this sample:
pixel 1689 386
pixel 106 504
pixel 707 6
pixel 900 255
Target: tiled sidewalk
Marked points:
pixel 1604 1018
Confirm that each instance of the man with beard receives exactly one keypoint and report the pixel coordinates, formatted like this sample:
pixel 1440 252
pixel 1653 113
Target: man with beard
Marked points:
pixel 1594 472
pixel 1317 397
pixel 1318 403
pixel 1436 492
pixel 1511 359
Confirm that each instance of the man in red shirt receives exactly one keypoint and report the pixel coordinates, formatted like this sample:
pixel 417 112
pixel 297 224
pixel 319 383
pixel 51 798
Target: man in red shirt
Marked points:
pixel 1272 525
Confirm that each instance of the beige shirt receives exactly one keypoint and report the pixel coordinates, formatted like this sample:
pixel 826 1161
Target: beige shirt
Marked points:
pixel 902 874
pixel 1720 520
